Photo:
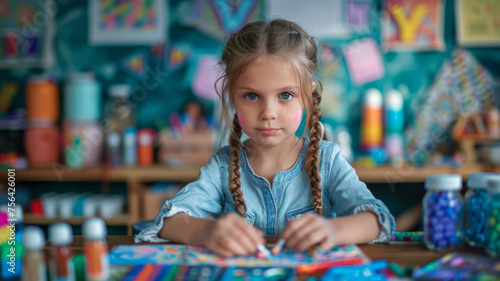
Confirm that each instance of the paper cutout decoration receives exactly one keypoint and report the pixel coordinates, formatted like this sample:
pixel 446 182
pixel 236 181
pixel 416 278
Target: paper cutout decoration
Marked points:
pixel 364 61
pixel 478 22
pixel 158 52
pixel 117 22
pixel 205 77
pixel 462 86
pixel 135 64
pixel 219 17
pixel 325 22
pixel 413 25
pixel 357 14
pixel 177 56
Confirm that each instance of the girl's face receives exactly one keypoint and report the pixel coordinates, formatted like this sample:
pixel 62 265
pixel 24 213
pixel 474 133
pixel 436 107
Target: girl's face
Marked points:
pixel 268 101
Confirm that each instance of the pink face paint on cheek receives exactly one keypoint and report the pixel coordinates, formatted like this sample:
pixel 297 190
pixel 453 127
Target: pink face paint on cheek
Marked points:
pixel 298 117
pixel 241 119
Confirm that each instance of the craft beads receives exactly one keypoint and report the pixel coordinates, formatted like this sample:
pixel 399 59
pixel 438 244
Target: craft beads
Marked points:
pixel 476 200
pixel 412 236
pixel 493 219
pixel 442 212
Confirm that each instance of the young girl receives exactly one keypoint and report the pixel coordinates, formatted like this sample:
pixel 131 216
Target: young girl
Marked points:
pixel 274 183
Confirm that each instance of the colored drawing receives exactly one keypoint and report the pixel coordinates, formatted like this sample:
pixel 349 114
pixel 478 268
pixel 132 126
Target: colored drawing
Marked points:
pixel 413 25
pixel 205 77
pixel 138 22
pixel 478 22
pixel 220 17
pixel 178 55
pixel 135 64
pixel 142 254
pixel 193 255
pixel 460 267
pixel 364 61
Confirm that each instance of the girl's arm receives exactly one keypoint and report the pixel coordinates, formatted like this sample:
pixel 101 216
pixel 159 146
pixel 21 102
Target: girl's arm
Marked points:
pixel 182 228
pixel 355 229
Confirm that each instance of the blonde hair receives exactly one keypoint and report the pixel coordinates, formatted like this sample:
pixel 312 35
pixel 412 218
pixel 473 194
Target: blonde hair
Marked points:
pixel 278 38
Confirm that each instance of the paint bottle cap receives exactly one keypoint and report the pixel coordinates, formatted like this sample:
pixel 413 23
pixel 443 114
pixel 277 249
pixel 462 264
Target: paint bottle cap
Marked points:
pixel 394 100
pixel 119 91
pixel 33 238
pixel 94 228
pixel 494 185
pixel 443 182
pixel 373 98
pixel 60 234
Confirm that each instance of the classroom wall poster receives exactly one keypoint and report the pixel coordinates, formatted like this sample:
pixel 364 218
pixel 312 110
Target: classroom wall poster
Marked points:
pixel 412 25
pixel 357 14
pixel 364 61
pixel 117 22
pixel 478 22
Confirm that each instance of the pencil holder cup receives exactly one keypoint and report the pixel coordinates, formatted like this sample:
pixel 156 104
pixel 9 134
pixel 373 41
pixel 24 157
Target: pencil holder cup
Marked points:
pixel 443 212
pixel 476 199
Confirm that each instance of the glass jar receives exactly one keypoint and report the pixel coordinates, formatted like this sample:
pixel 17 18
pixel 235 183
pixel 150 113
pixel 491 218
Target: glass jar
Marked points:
pixel 476 199
pixel 493 218
pixel 443 212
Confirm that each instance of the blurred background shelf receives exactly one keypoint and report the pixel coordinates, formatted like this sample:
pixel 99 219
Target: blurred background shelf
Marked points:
pixel 154 173
pixel 41 220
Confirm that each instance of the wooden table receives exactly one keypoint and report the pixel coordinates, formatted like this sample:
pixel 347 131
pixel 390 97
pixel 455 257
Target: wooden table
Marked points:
pixel 402 253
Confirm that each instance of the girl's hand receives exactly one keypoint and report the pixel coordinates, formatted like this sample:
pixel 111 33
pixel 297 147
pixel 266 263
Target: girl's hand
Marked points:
pixel 309 230
pixel 231 235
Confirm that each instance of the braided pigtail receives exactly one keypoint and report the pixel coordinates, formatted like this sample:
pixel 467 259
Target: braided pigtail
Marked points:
pixel 312 162
pixel 234 168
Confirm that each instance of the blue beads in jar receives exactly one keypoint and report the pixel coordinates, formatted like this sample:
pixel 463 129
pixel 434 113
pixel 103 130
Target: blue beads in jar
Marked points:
pixel 493 218
pixel 476 199
pixel 443 212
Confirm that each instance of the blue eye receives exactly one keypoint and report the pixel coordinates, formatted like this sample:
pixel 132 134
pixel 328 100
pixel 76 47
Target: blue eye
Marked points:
pixel 251 96
pixel 286 96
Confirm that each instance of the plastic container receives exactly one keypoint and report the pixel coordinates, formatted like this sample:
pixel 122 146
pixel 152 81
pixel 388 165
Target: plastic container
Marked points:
pixel 42 100
pixel 34 258
pixel 61 266
pixel 443 212
pixel 476 199
pixel 82 98
pixel 42 145
pixel 493 218
pixel 95 250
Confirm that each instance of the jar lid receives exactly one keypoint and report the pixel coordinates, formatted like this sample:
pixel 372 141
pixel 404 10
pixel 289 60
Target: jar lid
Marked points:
pixel 94 228
pixel 494 184
pixel 443 182
pixel 60 234
pixel 479 180
pixel 33 238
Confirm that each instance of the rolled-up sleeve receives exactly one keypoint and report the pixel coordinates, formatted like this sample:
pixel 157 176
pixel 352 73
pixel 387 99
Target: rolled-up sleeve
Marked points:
pixel 349 196
pixel 200 199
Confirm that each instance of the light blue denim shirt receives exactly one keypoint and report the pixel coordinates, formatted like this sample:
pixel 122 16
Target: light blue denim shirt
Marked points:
pixel 269 209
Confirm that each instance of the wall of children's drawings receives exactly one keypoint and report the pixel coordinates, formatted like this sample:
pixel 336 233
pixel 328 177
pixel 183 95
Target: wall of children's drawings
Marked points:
pixel 440 56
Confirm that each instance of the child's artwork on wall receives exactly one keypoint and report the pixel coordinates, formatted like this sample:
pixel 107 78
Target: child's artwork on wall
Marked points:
pixel 116 22
pixel 135 64
pixel 204 77
pixel 364 61
pixel 220 17
pixel 324 22
pixel 357 14
pixel 26 31
pixel 478 22
pixel 177 56
pixel 413 25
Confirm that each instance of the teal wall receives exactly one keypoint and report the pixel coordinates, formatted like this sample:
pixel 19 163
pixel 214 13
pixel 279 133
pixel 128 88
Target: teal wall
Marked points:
pixel 415 71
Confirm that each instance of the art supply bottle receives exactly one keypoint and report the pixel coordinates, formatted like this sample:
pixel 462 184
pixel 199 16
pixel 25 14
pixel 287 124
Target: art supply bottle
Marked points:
pixel 371 126
pixel 146 146
pixel 34 260
pixel 493 218
pixel 394 122
pixel 119 118
pixel 476 199
pixel 95 250
pixel 443 212
pixel 493 122
pixel 130 146
pixel 61 266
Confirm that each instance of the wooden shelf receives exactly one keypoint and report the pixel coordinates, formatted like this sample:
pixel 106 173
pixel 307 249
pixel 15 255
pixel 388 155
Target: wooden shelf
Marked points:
pixel 163 173
pixel 119 220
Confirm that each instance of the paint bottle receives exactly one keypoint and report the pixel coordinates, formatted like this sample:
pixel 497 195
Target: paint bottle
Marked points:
pixel 146 150
pixel 371 126
pixel 95 250
pixel 129 147
pixel 493 218
pixel 61 267
pixel 493 122
pixel 443 212
pixel 394 123
pixel 34 260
